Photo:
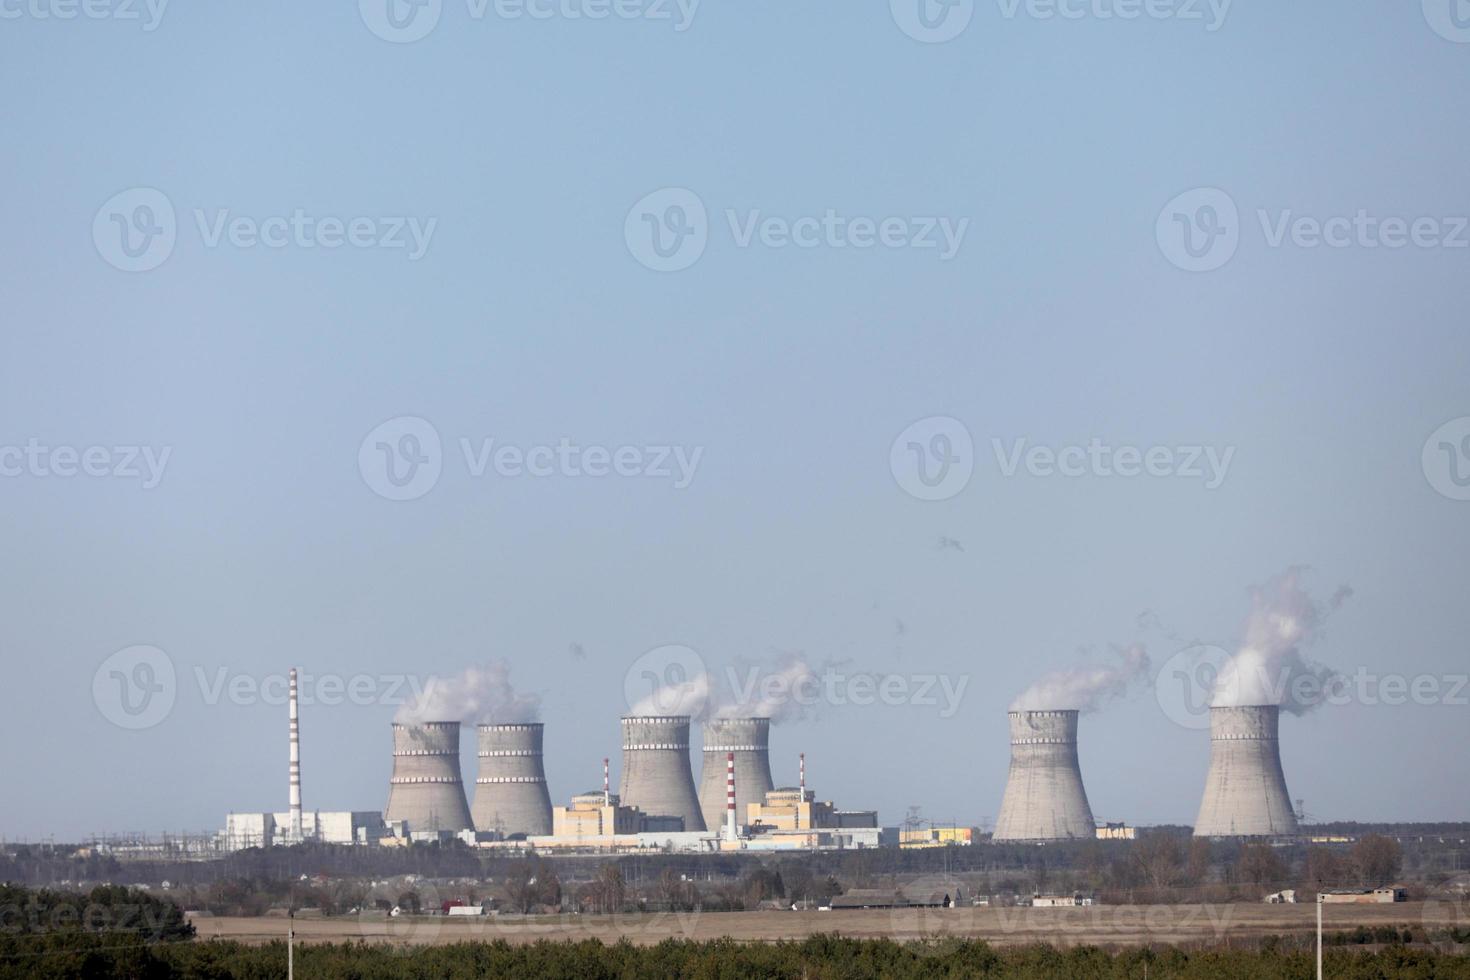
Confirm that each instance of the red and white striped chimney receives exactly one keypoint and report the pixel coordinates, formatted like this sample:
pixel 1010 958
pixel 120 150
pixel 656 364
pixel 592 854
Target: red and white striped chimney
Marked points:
pixel 730 796
pixel 295 797
pixel 606 785
pixel 803 776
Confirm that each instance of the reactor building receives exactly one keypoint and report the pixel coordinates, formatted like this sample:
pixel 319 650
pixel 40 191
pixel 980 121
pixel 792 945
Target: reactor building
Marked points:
pixel 657 778
pixel 1245 790
pixel 1044 798
pixel 511 797
pixel 426 790
pixel 749 739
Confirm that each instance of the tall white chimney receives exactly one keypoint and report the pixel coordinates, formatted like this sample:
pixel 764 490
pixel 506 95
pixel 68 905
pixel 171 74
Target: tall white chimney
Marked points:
pixel 730 796
pixel 295 797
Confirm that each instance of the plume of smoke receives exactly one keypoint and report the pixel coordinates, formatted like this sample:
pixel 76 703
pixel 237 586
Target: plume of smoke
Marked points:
pixel 689 697
pixel 1269 667
pixel 477 695
pixel 782 690
pixel 1085 687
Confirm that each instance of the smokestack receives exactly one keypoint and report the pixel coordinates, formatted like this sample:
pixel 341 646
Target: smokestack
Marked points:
pixel 1044 798
pixel 510 789
pixel 803 775
pixel 606 784
pixel 294 796
pixel 427 789
pixel 750 740
pixel 730 833
pixel 1245 790
pixel 656 774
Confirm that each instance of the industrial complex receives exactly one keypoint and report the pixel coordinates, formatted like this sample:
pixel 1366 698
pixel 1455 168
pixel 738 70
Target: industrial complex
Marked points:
pixel 737 805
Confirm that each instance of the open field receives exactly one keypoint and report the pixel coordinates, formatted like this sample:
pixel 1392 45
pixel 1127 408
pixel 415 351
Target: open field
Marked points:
pixel 1100 925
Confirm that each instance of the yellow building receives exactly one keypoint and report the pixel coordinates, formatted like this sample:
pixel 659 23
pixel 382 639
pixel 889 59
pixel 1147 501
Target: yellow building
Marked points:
pixel 937 837
pixel 1116 831
pixel 789 809
pixel 593 815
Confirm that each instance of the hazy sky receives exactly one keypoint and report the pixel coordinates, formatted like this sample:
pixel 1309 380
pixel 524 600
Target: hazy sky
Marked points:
pixel 529 311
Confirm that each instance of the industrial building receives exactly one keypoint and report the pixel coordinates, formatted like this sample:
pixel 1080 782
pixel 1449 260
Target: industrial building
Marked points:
pixel 749 739
pixel 244 830
pixel 1044 798
pixel 426 790
pixel 511 797
pixel 938 837
pixel 1245 789
pixel 657 778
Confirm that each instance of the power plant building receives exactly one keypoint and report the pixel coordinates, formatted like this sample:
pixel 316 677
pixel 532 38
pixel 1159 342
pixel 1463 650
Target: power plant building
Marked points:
pixel 426 791
pixel 1044 798
pixel 657 778
pixel 1245 789
pixel 511 797
pixel 749 739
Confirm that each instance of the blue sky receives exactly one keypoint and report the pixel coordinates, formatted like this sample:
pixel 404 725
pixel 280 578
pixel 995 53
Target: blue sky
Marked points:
pixel 529 319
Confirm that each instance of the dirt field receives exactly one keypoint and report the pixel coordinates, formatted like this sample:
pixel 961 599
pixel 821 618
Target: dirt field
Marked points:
pixel 1101 925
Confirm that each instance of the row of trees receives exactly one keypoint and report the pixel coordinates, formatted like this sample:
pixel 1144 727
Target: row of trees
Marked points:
pixel 828 957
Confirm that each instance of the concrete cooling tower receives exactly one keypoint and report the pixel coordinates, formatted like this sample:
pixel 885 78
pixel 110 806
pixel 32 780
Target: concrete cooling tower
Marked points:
pixel 427 789
pixel 1044 798
pixel 656 774
pixel 510 790
pixel 1245 791
pixel 750 740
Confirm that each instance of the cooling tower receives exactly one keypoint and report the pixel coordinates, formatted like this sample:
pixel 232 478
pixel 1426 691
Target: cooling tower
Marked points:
pixel 1245 791
pixel 749 739
pixel 1044 798
pixel 656 774
pixel 510 790
pixel 427 789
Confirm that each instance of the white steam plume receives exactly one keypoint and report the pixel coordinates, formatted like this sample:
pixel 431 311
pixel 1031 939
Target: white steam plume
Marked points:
pixel 1085 687
pixel 783 690
pixel 1269 667
pixel 478 695
pixel 689 697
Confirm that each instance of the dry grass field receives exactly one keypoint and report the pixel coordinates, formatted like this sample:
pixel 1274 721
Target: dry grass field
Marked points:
pixel 1122 925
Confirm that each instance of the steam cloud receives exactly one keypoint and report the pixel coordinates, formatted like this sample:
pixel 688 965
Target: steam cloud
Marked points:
pixel 1269 667
pixel 1086 687
pixel 689 697
pixel 478 695
pixel 781 692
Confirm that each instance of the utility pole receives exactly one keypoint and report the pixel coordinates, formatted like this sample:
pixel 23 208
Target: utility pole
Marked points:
pixel 291 945
pixel 1319 935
